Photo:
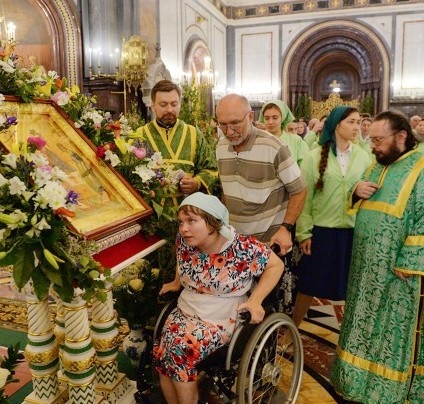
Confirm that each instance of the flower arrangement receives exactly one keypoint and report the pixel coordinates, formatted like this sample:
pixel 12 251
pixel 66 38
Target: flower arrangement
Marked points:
pixel 34 238
pixel 15 77
pixel 147 172
pixel 7 369
pixel 135 291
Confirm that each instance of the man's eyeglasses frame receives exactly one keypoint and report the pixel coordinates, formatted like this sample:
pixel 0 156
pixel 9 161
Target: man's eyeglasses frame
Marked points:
pixel 235 125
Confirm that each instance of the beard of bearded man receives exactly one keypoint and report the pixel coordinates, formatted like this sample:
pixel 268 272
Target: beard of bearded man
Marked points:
pixel 388 157
pixel 168 120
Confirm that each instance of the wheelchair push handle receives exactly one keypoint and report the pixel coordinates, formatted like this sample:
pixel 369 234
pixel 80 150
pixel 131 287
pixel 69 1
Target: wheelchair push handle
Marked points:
pixel 276 248
pixel 168 297
pixel 244 316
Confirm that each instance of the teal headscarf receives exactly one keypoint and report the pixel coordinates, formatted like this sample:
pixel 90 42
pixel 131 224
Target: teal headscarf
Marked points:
pixel 286 114
pixel 212 205
pixel 328 131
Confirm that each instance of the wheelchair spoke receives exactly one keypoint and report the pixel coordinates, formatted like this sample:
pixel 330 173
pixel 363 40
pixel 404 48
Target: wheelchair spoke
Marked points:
pixel 270 369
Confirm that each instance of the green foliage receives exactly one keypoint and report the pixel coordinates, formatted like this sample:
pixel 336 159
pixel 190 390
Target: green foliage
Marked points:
pixel 367 105
pixel 193 104
pixel 14 357
pixel 303 107
pixel 135 291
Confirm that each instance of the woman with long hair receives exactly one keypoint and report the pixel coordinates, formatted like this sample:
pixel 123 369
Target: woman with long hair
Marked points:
pixel 324 229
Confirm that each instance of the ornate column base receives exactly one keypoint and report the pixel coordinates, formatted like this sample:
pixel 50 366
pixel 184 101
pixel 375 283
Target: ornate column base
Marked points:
pixel 60 398
pixel 121 391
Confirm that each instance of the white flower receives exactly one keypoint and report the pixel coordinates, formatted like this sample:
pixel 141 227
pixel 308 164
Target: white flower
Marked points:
pixel 41 176
pixel 156 158
pixel 3 118
pixel 37 228
pixel 3 180
pixel 112 157
pixel 8 66
pixel 53 194
pixel 19 217
pixel 16 186
pixel 39 159
pixel 95 116
pixel 53 74
pixel 146 174
pixel 58 174
pixel 10 159
pixel 4 374
pixel 2 98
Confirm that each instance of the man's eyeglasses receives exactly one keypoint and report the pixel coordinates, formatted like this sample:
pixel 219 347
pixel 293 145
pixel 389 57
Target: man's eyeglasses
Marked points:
pixel 235 125
pixel 377 141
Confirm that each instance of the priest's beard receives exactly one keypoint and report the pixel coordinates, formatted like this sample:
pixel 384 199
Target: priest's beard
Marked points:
pixel 388 157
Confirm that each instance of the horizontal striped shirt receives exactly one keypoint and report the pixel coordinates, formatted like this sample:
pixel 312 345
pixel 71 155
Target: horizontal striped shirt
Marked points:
pixel 257 183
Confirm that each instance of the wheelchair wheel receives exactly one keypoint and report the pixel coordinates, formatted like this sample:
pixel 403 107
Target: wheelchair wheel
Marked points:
pixel 163 315
pixel 270 370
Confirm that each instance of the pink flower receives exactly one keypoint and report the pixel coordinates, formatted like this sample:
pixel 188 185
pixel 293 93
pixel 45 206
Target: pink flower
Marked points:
pixel 139 152
pixel 60 98
pixel 37 141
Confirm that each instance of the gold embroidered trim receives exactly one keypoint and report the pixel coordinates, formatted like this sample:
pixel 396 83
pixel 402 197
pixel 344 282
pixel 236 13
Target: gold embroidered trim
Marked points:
pixel 378 369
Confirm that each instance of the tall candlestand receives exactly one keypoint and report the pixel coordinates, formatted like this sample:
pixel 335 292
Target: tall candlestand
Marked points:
pixel 42 355
pixel 79 356
pixel 110 384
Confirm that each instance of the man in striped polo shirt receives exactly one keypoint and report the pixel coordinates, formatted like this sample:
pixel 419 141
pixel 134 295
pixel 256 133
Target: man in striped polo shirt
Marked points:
pixel 262 184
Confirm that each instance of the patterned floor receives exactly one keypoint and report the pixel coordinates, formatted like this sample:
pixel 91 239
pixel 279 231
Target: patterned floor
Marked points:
pixel 319 334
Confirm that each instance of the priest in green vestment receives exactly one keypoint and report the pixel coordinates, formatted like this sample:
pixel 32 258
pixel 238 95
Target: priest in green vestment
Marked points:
pixel 181 145
pixel 380 353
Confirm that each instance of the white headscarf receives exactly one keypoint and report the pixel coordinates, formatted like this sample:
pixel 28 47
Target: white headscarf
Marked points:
pixel 212 205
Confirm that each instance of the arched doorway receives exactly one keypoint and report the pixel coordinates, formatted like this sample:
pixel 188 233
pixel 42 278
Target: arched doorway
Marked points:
pixel 49 31
pixel 345 51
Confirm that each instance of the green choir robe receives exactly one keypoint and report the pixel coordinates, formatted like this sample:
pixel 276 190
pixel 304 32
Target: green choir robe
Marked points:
pixel 380 354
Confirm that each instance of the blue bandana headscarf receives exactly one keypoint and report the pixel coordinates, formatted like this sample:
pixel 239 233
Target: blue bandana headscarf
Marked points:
pixel 328 131
pixel 212 205
pixel 286 114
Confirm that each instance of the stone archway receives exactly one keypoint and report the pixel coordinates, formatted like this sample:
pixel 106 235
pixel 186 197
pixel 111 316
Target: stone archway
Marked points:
pixel 49 30
pixel 341 50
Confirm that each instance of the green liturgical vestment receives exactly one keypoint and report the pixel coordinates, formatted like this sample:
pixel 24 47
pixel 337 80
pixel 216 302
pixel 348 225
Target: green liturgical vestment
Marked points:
pixel 380 355
pixel 185 148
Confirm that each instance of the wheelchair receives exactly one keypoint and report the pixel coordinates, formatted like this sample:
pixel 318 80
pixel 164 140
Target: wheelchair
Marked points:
pixel 263 362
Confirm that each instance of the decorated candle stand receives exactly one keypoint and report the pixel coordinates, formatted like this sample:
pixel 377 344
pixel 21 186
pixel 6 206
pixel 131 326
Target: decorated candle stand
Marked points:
pixel 75 361
pixel 110 384
pixel 41 353
pixel 78 353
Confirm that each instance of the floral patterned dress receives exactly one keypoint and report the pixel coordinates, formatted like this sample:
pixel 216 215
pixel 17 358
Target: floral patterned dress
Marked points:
pixel 206 316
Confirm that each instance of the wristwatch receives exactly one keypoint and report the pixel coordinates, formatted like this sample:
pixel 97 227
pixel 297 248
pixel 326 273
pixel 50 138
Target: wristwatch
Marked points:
pixel 288 226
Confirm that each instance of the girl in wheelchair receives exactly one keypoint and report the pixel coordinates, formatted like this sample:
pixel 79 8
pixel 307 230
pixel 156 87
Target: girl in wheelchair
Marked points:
pixel 215 270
